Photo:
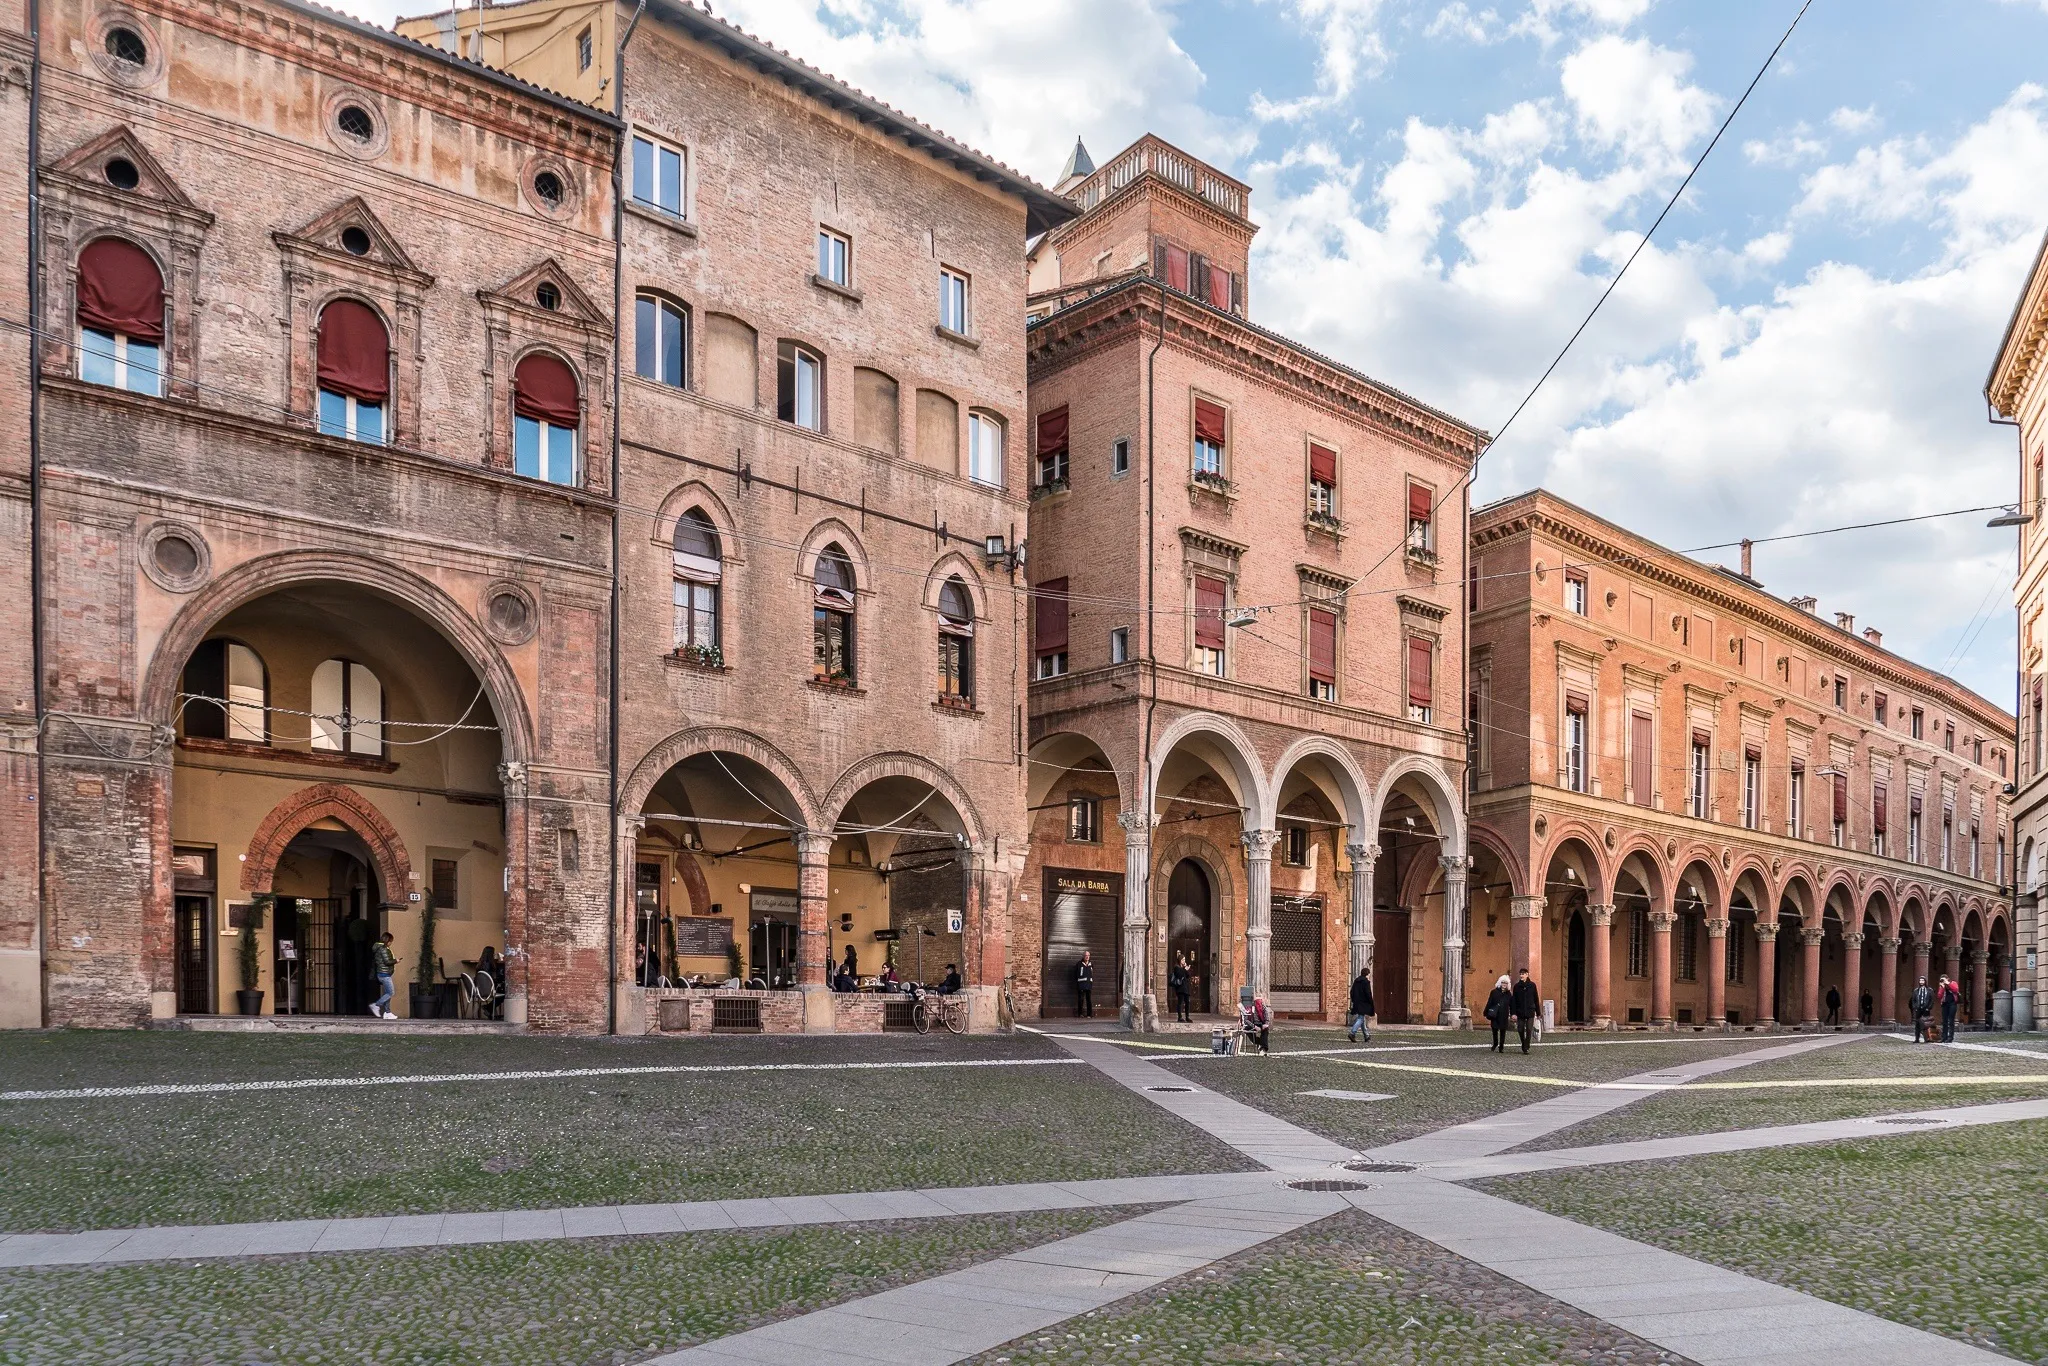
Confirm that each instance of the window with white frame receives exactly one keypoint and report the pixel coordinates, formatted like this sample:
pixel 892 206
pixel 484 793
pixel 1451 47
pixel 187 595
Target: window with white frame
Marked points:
pixel 658 176
pixel 953 301
pixel 1575 592
pixel 985 449
pixel 1575 743
pixel 661 340
pixel 1701 775
pixel 1795 803
pixel 120 317
pixel 1120 645
pixel 699 577
pixel 1752 787
pixel 546 407
pixel 835 258
pixel 348 708
pixel 800 386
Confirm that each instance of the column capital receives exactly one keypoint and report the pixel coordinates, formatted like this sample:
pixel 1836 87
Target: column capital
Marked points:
pixel 1662 921
pixel 1852 941
pixel 1812 936
pixel 1977 957
pixel 1136 824
pixel 1455 866
pixel 1601 916
pixel 1766 931
pixel 1889 944
pixel 812 846
pixel 632 827
pixel 512 774
pixel 1362 854
pixel 1528 907
pixel 1258 844
pixel 1717 929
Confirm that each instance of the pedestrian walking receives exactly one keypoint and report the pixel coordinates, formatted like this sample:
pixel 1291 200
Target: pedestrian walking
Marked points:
pixel 1084 984
pixel 1835 1006
pixel 1500 1007
pixel 383 966
pixel 1362 1009
pixel 1180 980
pixel 1528 1009
pixel 1951 997
pixel 1922 1001
pixel 1868 1008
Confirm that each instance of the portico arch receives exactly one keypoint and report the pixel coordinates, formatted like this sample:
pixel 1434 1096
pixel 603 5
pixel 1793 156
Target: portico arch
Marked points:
pixel 328 801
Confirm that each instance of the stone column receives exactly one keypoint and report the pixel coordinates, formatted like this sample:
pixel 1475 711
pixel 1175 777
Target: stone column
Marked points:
pixel 1976 1007
pixel 1717 972
pixel 1955 968
pixel 1660 968
pixel 518 965
pixel 1258 929
pixel 1887 980
pixel 1766 973
pixel 1525 947
pixel 1455 867
pixel 1363 859
pixel 1923 962
pixel 1133 981
pixel 1810 969
pixel 1600 946
pixel 1852 979
pixel 813 890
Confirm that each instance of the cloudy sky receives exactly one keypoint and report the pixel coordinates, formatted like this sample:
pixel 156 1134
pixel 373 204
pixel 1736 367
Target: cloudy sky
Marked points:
pixel 1443 187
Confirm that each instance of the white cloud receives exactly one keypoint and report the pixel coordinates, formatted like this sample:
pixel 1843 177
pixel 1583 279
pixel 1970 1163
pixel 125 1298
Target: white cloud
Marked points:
pixel 1795 148
pixel 1351 50
pixel 1854 121
pixel 1632 95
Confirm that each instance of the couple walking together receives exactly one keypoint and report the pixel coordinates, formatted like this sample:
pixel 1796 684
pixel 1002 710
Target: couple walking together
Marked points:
pixel 1517 1003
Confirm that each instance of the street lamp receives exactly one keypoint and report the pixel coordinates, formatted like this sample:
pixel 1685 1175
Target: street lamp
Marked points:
pixel 2012 516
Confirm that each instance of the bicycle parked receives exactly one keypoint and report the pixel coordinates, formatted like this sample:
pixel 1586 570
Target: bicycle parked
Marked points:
pixel 928 1006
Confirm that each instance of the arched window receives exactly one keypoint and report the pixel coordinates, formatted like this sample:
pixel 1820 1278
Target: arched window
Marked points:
pixel 545 413
pixel 661 341
pixel 232 673
pixel 354 372
pixel 120 317
pixel 832 617
pixel 956 642
pixel 698 570
pixel 348 708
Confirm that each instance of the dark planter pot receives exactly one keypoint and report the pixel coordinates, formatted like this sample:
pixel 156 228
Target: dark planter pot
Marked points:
pixel 446 999
pixel 425 1001
pixel 249 1002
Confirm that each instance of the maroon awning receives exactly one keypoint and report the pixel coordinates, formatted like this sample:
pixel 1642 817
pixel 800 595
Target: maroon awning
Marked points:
pixel 544 389
pixel 120 290
pixel 355 352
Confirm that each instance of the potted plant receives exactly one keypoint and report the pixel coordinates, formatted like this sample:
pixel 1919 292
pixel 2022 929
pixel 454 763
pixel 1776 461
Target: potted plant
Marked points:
pixel 733 962
pixel 425 993
pixel 249 1000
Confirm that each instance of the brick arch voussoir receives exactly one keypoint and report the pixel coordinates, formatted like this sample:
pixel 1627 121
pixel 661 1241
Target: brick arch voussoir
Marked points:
pixel 876 767
pixel 684 744
pixel 1662 894
pixel 1563 832
pixel 324 801
pixel 1481 836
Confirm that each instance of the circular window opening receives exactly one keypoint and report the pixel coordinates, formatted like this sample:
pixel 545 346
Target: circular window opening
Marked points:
pixel 176 556
pixel 548 297
pixel 125 45
pixel 548 186
pixel 509 614
pixel 355 241
pixel 355 123
pixel 122 175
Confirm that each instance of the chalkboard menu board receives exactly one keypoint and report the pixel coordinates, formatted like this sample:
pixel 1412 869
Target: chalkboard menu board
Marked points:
pixel 697 938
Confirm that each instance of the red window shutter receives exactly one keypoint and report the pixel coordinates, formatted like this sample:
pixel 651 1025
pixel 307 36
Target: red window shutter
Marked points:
pixel 1753 753
pixel 355 352
pixel 1208 612
pixel 1322 645
pixel 1420 658
pixel 1219 287
pixel 1209 421
pixel 1322 465
pixel 544 389
pixel 1878 814
pixel 120 290
pixel 1421 503
pixel 1049 610
pixel 1052 431
pixel 1177 267
pixel 1643 756
pixel 1577 703
pixel 1702 739
pixel 1198 276
pixel 1841 794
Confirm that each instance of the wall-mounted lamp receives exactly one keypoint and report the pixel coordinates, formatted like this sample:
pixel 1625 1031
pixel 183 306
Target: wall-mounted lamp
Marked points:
pixel 2011 516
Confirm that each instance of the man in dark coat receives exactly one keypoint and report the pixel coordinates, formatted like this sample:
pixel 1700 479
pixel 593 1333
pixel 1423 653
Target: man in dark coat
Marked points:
pixel 1527 1008
pixel 1361 1007
pixel 1951 998
pixel 1834 1005
pixel 1084 984
pixel 1922 1002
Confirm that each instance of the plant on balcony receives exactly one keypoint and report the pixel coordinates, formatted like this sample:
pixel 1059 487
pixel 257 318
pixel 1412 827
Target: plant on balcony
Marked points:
pixel 1048 488
pixel 1212 482
pixel 1323 521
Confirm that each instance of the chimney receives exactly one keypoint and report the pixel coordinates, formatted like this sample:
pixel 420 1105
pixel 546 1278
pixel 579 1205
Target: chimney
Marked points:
pixel 1873 635
pixel 1746 544
pixel 1845 621
pixel 1803 604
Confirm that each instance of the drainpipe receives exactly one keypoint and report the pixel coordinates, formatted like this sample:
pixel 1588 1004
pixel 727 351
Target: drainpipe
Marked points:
pixel 35 478
pixel 2032 922
pixel 614 900
pixel 1134 1010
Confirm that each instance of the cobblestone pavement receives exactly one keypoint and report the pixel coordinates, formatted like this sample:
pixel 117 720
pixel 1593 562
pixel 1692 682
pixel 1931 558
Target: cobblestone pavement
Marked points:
pixel 1350 1289
pixel 588 1303
pixel 75 1164
pixel 1945 1232
pixel 1709 1110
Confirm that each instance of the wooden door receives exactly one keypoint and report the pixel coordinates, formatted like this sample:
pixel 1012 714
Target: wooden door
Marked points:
pixel 1390 965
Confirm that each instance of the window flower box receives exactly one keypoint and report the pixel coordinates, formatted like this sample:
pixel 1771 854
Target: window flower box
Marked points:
pixel 1049 488
pixel 1206 481
pixel 1325 522
pixel 700 656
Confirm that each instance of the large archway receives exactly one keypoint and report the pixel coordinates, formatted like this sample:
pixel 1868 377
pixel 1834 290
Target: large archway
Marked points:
pixel 1210 803
pixel 1086 852
pixel 1322 889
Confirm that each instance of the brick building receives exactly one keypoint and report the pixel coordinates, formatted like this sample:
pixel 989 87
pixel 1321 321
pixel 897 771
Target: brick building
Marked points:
pixel 1694 802
pixel 820 668
pixel 1245 745
pixel 2017 394
pixel 323 480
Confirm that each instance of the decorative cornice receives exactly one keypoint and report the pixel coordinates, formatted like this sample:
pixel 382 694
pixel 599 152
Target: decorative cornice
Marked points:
pixel 1428 611
pixel 1194 538
pixel 1317 577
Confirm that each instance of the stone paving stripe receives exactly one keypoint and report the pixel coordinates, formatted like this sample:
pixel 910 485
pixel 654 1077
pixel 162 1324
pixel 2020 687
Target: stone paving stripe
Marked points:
pixel 952 1317
pixel 194 1241
pixel 209 1088
pixel 1349 1095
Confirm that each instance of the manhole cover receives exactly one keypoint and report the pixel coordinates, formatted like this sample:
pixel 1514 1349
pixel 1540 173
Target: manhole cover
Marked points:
pixel 1379 1166
pixel 1909 1121
pixel 1169 1088
pixel 1327 1184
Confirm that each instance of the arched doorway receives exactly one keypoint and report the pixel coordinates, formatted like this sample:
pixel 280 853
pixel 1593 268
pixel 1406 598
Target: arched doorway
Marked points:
pixel 1191 930
pixel 1575 968
pixel 1077 865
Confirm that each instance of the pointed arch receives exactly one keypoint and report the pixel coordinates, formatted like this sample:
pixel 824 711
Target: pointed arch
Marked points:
pixel 832 531
pixel 700 495
pixel 328 801
pixel 953 565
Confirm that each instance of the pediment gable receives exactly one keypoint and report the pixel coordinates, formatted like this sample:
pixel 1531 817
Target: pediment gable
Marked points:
pixel 524 292
pixel 97 167
pixel 333 233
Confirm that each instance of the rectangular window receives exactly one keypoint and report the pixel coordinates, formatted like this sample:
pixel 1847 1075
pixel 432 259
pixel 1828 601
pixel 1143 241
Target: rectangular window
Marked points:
pixel 119 362
pixel 1083 817
pixel 583 50
pixel 1999 875
pixel 1919 724
pixel 660 340
pixel 1120 456
pixel 1210 425
pixel 1976 852
pixel 1210 599
pixel 696 613
pixel 835 258
pixel 1795 803
pixel 1702 749
pixel 799 387
pixel 1575 592
pixel 1295 851
pixel 985 450
pixel 1878 706
pixel 1977 752
pixel 541 450
pixel 1752 787
pixel 1049 628
pixel 657 176
pixel 1948 736
pixel 1322 654
pixel 351 418
pixel 1642 756
pixel 1948 839
pixel 1322 483
pixel 953 301
pixel 1841 693
pixel 445 886
pixel 1575 744
pixel 1120 645
pixel 1913 828
pixel 1421 519
pixel 1880 816
pixel 1421 681
pixel 1838 786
